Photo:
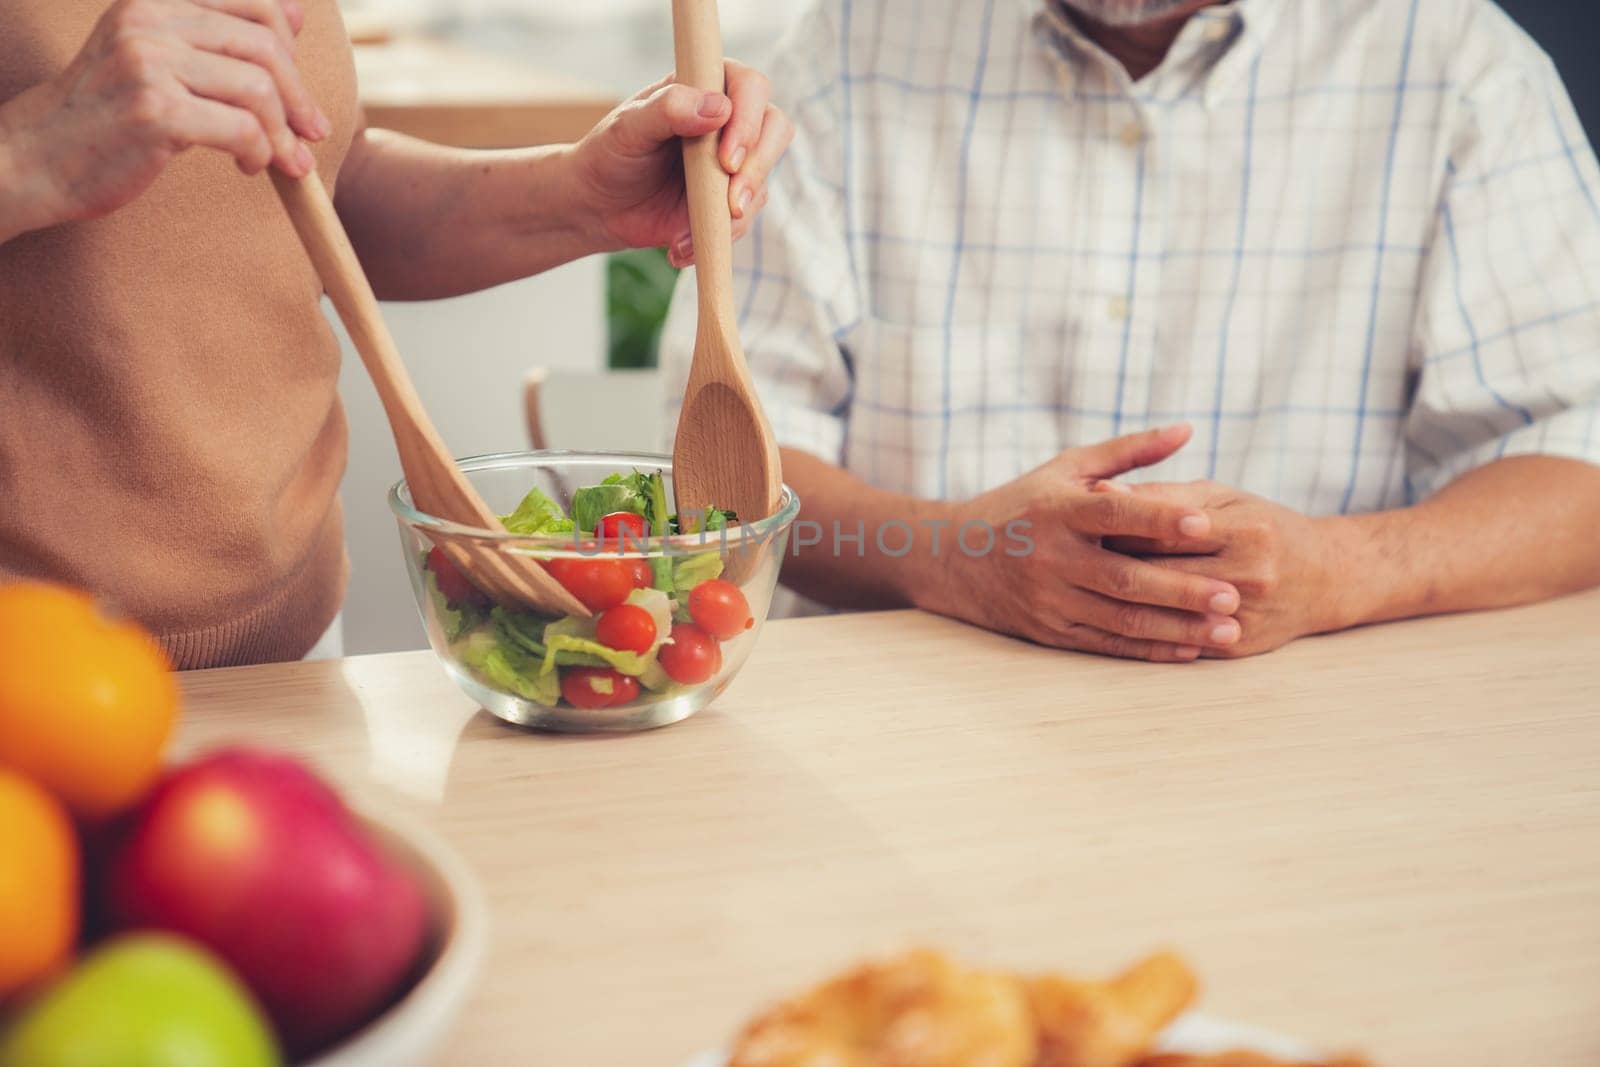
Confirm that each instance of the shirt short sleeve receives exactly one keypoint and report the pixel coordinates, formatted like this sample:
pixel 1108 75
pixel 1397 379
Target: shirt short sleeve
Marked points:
pixel 795 289
pixel 1509 322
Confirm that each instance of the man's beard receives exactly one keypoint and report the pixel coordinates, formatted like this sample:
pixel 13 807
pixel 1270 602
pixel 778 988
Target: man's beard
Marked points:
pixel 1124 12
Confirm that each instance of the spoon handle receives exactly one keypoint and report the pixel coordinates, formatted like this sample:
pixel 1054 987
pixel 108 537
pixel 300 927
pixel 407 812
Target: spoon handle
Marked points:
pixel 697 41
pixel 435 482
pixel 311 211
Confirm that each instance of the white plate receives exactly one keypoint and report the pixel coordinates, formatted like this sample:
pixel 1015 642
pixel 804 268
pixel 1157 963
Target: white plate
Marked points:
pixel 1191 1033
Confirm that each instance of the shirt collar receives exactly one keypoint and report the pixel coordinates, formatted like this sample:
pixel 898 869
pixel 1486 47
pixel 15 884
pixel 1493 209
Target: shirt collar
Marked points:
pixel 1225 38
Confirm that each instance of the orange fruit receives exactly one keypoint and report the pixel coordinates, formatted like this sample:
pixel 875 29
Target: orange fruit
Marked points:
pixel 39 867
pixel 87 702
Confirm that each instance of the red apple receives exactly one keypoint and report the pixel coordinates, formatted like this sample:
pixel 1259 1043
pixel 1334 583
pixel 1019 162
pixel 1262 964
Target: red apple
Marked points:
pixel 255 858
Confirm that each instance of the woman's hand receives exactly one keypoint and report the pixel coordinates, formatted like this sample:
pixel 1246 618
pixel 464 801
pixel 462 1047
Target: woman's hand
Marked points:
pixel 154 78
pixel 629 168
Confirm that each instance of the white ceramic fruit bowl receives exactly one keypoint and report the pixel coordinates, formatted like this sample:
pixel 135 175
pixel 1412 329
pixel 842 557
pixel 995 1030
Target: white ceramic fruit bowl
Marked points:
pixel 412 1031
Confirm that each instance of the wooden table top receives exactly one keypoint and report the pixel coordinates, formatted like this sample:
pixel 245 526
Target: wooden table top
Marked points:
pixel 456 96
pixel 1387 839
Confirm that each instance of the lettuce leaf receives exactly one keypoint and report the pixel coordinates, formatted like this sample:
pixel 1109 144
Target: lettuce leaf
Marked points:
pixel 720 519
pixel 646 495
pixel 690 571
pixel 570 642
pixel 661 574
pixel 659 512
pixel 559 646
pixel 454 619
pixel 537 514
pixel 520 629
pixel 564 656
pixel 518 651
pixel 570 626
pixel 508 667
pixel 656 679
pixel 715 519
pixel 638 492
pixel 593 502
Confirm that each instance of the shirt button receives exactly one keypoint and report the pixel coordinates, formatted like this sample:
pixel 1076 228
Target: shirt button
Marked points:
pixel 1117 308
pixel 1132 135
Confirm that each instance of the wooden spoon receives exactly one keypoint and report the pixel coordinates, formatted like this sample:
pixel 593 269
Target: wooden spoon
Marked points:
pixel 725 455
pixel 437 485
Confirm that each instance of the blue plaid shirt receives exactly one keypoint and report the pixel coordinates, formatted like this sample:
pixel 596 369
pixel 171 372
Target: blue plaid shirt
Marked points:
pixel 1356 243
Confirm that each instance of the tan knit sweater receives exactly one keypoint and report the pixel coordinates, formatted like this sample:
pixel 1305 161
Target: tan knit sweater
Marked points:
pixel 171 437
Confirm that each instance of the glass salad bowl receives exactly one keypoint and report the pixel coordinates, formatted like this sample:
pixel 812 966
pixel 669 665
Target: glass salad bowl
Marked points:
pixel 676 602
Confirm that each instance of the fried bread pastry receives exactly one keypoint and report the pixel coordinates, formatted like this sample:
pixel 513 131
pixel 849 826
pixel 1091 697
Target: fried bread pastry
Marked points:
pixel 1107 1024
pixel 923 1010
pixel 919 1009
pixel 1242 1059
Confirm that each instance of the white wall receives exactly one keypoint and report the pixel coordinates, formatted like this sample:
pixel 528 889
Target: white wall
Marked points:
pixel 616 45
pixel 468 356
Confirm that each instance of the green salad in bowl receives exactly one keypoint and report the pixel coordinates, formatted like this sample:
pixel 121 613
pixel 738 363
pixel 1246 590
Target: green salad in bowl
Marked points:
pixel 675 601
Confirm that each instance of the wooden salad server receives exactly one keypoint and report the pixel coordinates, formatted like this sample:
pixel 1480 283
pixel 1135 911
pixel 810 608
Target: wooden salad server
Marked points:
pixel 725 455
pixel 437 485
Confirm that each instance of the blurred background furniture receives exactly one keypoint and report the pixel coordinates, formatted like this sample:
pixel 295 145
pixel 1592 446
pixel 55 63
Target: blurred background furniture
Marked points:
pixel 449 94
pixel 607 411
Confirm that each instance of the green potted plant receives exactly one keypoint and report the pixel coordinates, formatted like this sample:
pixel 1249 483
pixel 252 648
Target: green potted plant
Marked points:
pixel 639 286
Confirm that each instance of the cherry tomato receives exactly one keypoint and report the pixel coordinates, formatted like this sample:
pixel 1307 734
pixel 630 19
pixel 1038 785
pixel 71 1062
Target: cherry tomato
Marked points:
pixel 626 627
pixel 621 530
pixel 455 586
pixel 643 577
pixel 720 608
pixel 691 656
pixel 598 583
pixel 560 567
pixel 597 687
pixel 627 688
